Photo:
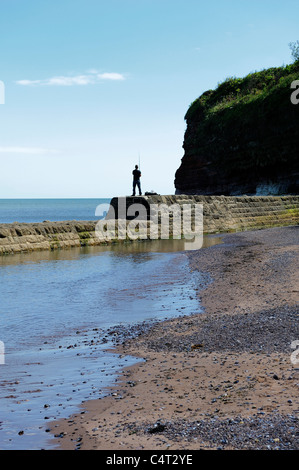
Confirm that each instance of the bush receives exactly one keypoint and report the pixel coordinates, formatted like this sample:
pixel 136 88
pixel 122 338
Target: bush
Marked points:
pixel 294 46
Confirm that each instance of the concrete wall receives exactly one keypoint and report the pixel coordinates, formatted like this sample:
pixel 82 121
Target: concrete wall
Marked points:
pixel 220 214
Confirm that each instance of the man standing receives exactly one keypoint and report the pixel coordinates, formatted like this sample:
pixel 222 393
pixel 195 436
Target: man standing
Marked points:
pixel 136 180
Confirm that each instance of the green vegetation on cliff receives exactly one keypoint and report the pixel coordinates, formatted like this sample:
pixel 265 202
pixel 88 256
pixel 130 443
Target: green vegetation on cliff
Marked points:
pixel 245 129
pixel 254 89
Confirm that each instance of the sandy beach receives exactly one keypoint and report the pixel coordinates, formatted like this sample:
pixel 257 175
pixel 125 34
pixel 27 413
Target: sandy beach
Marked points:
pixel 220 379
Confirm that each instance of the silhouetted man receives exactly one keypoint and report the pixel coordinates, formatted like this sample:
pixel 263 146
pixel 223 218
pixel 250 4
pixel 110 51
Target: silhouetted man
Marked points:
pixel 136 180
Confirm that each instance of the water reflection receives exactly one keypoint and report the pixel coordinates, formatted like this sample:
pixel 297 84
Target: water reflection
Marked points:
pixel 134 247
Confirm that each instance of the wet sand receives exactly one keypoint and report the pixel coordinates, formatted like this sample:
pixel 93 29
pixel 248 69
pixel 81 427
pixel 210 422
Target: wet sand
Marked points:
pixel 221 379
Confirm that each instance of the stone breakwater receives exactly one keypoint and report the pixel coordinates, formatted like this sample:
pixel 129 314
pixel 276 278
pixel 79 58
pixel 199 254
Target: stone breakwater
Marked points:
pixel 220 214
pixel 26 237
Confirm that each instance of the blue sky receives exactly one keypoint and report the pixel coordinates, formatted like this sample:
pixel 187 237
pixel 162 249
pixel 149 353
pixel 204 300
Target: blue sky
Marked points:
pixel 92 84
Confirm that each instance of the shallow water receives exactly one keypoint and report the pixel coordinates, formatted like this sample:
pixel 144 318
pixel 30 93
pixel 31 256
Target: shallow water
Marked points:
pixel 55 310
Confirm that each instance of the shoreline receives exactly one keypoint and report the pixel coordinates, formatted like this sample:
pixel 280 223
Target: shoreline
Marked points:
pixel 218 379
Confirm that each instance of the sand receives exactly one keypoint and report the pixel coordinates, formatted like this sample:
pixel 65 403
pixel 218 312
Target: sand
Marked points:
pixel 224 378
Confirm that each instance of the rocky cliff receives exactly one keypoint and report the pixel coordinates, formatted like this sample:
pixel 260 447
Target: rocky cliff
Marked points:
pixel 243 137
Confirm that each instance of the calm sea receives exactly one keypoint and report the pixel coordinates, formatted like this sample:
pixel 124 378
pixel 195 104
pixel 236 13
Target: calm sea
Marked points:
pixel 56 308
pixel 38 210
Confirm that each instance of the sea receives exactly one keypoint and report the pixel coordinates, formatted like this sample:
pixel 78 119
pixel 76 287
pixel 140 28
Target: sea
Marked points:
pixel 39 210
pixel 57 310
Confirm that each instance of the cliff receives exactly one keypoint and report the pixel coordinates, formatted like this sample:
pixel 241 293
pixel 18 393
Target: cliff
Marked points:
pixel 243 137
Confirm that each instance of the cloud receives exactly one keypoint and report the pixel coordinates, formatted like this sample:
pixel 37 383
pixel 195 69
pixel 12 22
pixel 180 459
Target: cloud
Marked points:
pixel 28 82
pixel 110 76
pixel 90 78
pixel 68 81
pixel 27 150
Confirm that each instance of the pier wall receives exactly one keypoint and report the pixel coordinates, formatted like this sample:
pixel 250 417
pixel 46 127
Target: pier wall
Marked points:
pixel 220 214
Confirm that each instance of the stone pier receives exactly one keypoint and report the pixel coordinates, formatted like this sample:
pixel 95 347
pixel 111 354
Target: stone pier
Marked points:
pixel 220 214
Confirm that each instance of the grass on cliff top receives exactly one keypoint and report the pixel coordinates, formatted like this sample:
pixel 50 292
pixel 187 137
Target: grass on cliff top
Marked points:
pixel 247 126
pixel 237 91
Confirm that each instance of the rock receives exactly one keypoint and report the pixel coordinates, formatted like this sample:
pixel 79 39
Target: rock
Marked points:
pixel 237 143
pixel 196 346
pixel 158 427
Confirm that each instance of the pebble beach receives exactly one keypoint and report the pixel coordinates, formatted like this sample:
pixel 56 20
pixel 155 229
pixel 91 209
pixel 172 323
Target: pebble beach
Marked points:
pixel 225 378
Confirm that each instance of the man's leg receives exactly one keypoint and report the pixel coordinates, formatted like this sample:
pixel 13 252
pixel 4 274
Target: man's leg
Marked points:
pixel 134 186
pixel 139 187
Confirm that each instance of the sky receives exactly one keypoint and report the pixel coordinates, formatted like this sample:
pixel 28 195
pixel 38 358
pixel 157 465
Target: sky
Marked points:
pixel 93 86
